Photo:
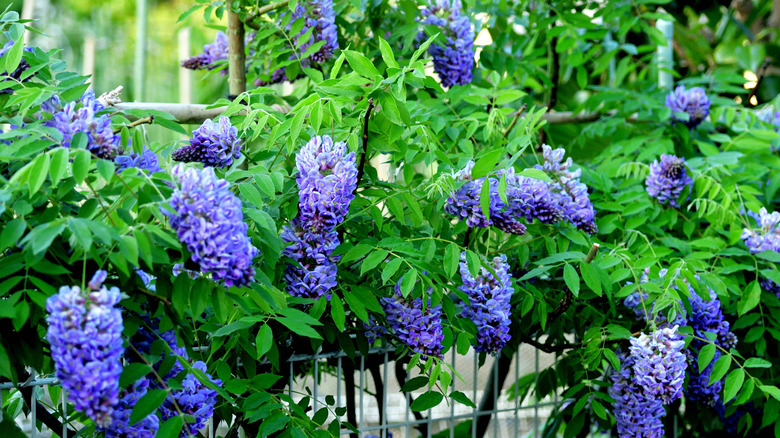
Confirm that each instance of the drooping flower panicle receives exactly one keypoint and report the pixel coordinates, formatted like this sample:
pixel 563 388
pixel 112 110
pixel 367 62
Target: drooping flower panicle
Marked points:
pixel 489 305
pixel 659 364
pixel 418 328
pixel 637 414
pixel 692 101
pixel 81 116
pixel 464 202
pixel 213 144
pixel 453 58
pixel 120 426
pixel 667 180
pixel 766 236
pixel 146 161
pixel 85 334
pixel 212 54
pixel 208 220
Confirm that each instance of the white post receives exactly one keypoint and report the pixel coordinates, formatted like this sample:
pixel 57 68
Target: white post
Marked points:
pixel 185 75
pixel 665 55
pixel 28 12
pixel 88 65
pixel 139 72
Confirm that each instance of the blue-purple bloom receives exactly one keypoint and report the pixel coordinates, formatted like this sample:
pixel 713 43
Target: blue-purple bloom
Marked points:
pixel 146 161
pixel 85 334
pixel 194 399
pixel 770 286
pixel 81 116
pixel 121 427
pixel 659 364
pixel 637 414
pixel 212 54
pixel 419 329
pixel 767 236
pixel 489 305
pixel 213 144
pixel 209 221
pixel 464 202
pixel 694 102
pixel 319 16
pixel 453 59
pixel 667 180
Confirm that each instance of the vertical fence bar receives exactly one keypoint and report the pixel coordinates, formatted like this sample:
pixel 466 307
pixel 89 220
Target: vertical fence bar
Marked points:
pixel 290 386
pixel 139 73
pixel 362 392
pixel 316 384
pixel 338 385
pixel 384 399
pixel 88 63
pixel 476 400
pixel 64 414
pixel 665 55
pixel 34 407
pixel 28 12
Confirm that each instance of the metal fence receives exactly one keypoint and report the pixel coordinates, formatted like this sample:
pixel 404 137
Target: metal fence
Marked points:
pixel 379 407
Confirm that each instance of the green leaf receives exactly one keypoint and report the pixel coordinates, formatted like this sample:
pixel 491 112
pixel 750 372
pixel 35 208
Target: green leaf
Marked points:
pixel 407 283
pixel 755 362
pixel 13 231
pixel 451 259
pixel 171 428
pixel 38 172
pixel 80 165
pixel 484 200
pixel 414 384
pixel 572 279
pixel 337 312
pixel 14 56
pixel 299 327
pixel 147 404
pixel 373 259
pixel 59 163
pixel 232 327
pixel 264 340
pixel 390 268
pixel 750 298
pixel 770 390
pixel 387 53
pixel 462 399
pixel 426 401
pixel 706 354
pixel 720 368
pixel 535 174
pixel 733 384
pixel 591 277
pixel 132 372
pixel 484 165
pixel 423 47
pixel 360 64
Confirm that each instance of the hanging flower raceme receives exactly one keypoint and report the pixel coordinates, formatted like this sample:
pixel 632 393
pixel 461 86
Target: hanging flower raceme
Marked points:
pixel 571 194
pixel 146 161
pixel 208 220
pixel 212 54
pixel 327 178
pixel 489 305
pixel 464 202
pixel 16 75
pixel 194 399
pixel 667 180
pixel 318 16
pixel 531 199
pixel 766 237
pixel 453 59
pixel 637 414
pixel 213 144
pixel 771 117
pixel 418 328
pixel 85 334
pixel 694 102
pixel 659 364
pixel 81 116
pixel 121 427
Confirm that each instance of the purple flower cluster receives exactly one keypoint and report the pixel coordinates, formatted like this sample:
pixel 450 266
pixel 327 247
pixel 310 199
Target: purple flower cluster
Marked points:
pixel 120 426
pixel 667 180
pixel 209 221
pixel 85 334
pixel 419 329
pixel 771 117
pixel 15 75
pixel 327 179
pixel 318 16
pixel 637 414
pixel 212 54
pixel 213 144
pixel 81 116
pixel 767 236
pixel 489 303
pixel 659 364
pixel 464 202
pixel 567 190
pixel 194 399
pixel 694 102
pixel 146 161
pixel 770 286
pixel 453 59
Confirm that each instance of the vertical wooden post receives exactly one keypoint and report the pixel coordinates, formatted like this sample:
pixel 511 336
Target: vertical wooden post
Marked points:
pixel 185 75
pixel 88 63
pixel 139 71
pixel 236 56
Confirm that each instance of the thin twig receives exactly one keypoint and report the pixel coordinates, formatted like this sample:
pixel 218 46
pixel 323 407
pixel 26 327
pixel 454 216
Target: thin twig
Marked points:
pixel 103 206
pixel 364 158
pixel 262 11
pixel 514 121
pixel 554 74
pixel 145 120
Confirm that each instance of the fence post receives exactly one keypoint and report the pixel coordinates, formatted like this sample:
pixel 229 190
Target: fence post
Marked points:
pixel 139 71
pixel 185 75
pixel 236 56
pixel 665 55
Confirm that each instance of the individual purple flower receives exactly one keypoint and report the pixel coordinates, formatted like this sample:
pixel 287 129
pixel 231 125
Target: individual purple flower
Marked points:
pixel 531 199
pixel 464 202
pixel 659 364
pixel 453 58
pixel 212 54
pixel 120 426
pixel 213 144
pixel 16 75
pixel 85 334
pixel 327 178
pixel 668 179
pixel 208 220
pixel 418 328
pixel 637 414
pixel 194 399
pixel 146 161
pixel 694 102
pixel 566 188
pixel 489 305
pixel 770 286
pixel 766 237
pixel 315 273
pixel 81 116
pixel 374 331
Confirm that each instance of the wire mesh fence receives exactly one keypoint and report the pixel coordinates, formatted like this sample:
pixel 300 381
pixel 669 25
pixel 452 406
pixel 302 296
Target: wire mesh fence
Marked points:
pixel 369 388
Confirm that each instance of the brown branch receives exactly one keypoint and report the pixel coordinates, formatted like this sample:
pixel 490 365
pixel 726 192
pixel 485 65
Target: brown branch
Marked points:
pixel 760 73
pixel 236 55
pixel 262 11
pixel 145 120
pixel 364 158
pixel 554 74
pixel 514 120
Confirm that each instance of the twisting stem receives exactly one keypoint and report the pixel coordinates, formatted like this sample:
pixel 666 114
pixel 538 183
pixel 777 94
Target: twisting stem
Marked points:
pixel 100 200
pixel 514 121
pixel 146 120
pixel 364 158
pixel 236 55
pixel 262 11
